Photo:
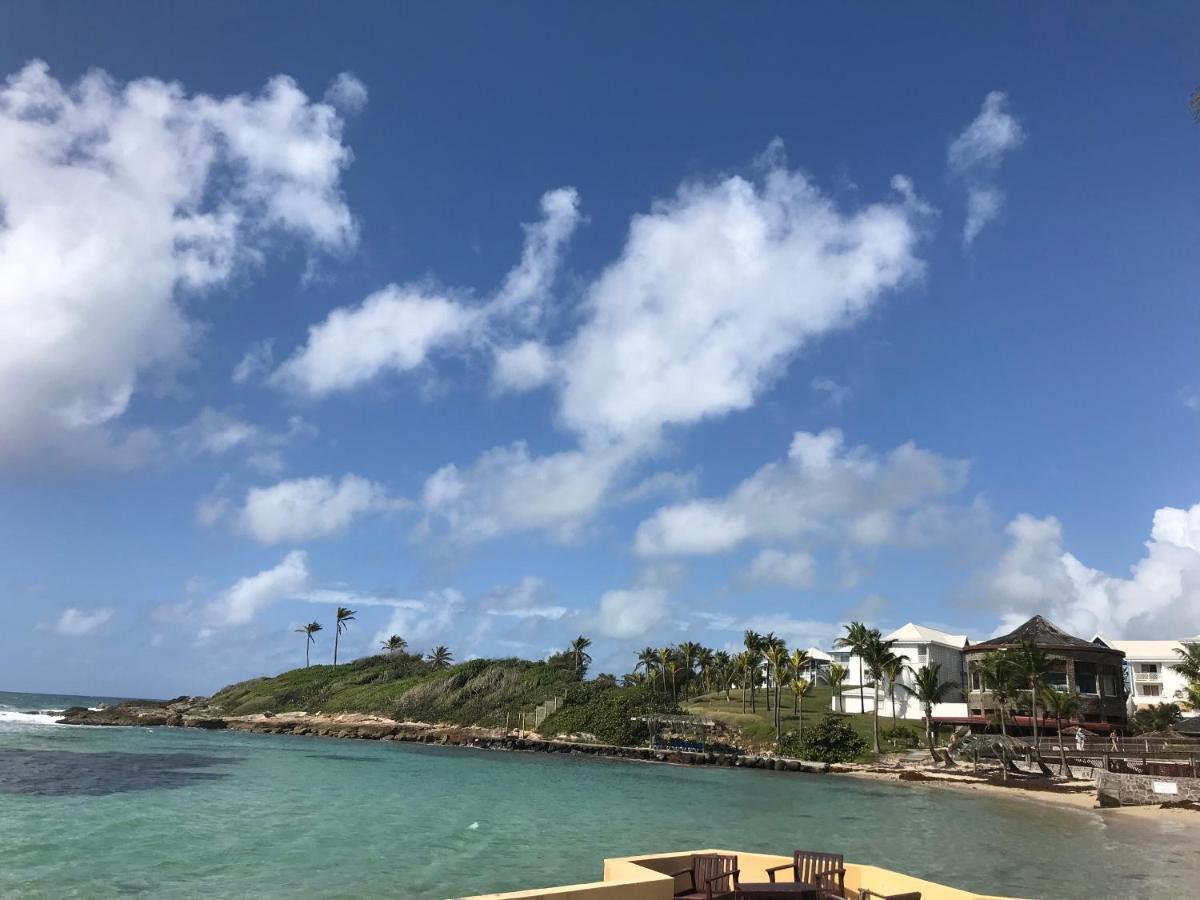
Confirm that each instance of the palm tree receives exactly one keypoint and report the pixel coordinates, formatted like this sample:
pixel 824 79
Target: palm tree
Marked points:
pixel 771 643
pixel 893 670
pixel 777 660
pixel 928 689
pixel 647 659
pixel 344 617
pixel 877 656
pixel 1030 665
pixel 665 655
pixel 633 679
pixel 1061 705
pixel 745 663
pixel 724 668
pixel 837 677
pixel 998 678
pixel 706 661
pixel 672 666
pixel 753 643
pixel 1189 696
pixel 801 688
pixel 310 629
pixel 440 657
pixel 1189 661
pixel 579 654
pixel 394 644
pixel 800 662
pixel 856 639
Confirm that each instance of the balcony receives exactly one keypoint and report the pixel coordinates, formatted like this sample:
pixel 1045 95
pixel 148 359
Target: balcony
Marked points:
pixel 646 878
pixel 1147 677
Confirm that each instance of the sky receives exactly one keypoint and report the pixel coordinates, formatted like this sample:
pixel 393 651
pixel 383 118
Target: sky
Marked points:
pixel 501 324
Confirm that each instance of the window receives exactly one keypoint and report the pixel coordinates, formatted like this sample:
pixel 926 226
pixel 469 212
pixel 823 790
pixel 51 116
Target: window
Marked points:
pixel 1148 668
pixel 1150 690
pixel 976 680
pixel 1056 680
pixel 1085 678
pixel 923 654
pixel 1110 685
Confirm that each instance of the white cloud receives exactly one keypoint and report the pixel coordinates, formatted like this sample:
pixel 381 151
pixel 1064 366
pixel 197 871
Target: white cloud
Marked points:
pixel 976 154
pixel 76 622
pixel 247 596
pixel 528 599
pixel 347 93
pixel 802 633
pixel 715 291
pixel 1160 599
pixel 256 362
pixel 632 612
pixel 526 366
pixel 309 508
pixel 507 490
pixel 823 491
pixel 216 433
pixel 434 617
pixel 836 395
pixel 772 566
pixel 399 327
pixel 169 194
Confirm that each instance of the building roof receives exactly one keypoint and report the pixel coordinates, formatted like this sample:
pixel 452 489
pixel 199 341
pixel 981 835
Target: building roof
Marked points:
pixel 1043 633
pixel 1189 726
pixel 1143 649
pixel 923 634
pixel 818 655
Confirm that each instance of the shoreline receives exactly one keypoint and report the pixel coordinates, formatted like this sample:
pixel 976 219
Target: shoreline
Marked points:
pixel 192 713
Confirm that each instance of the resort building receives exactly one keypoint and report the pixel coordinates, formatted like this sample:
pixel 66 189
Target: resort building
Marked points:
pixel 922 645
pixel 1149 675
pixel 1095 671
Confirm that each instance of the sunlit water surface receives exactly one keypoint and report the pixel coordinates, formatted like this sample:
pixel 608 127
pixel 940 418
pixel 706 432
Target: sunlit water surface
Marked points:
pixel 107 812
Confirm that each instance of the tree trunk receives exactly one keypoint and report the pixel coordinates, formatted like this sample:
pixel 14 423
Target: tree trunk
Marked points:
pixel 336 635
pixel 1037 751
pixel 768 687
pixel 875 718
pixel 307 644
pixel 743 696
pixel 929 731
pixel 1062 752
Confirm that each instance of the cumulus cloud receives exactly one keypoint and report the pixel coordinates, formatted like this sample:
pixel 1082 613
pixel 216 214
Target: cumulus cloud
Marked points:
pixel 797 632
pixel 76 622
pixel 778 567
pixel 304 509
pixel 347 93
pixel 523 367
pixel 975 155
pixel 631 612
pixel 824 491
pixel 247 596
pixel 509 490
pixel 423 621
pixel 1159 599
pixel 399 327
pixel 170 194
pixel 256 362
pixel 216 433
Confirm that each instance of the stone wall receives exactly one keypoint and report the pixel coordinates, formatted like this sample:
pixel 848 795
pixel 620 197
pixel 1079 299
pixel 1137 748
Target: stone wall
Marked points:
pixel 1118 789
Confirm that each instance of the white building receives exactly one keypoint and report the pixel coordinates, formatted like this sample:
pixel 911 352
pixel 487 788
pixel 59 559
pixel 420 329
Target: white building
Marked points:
pixel 1148 672
pixel 922 645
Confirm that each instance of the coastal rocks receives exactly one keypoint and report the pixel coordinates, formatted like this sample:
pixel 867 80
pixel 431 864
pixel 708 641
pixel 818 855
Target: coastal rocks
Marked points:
pixel 146 713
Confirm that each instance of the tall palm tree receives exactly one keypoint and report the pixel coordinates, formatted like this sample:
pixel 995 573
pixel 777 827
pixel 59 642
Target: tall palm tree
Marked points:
pixel 1030 665
pixel 745 662
pixel 394 644
pixel 344 618
pixel 753 643
pixel 579 654
pixel 1189 662
pixel 999 679
pixel 893 670
pixel 633 679
pixel 647 659
pixel 777 660
pixel 1061 705
pixel 856 639
pixel 724 668
pixel 877 655
pixel 837 677
pixel 927 689
pixel 665 655
pixel 1189 696
pixel 706 662
pixel 801 688
pixel 800 663
pixel 776 645
pixel 310 629
pixel 440 657
pixel 673 666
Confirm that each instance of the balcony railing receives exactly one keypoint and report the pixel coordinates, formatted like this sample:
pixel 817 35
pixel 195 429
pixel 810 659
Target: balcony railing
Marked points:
pixel 1141 677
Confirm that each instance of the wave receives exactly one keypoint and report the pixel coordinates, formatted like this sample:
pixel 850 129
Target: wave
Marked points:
pixel 41 717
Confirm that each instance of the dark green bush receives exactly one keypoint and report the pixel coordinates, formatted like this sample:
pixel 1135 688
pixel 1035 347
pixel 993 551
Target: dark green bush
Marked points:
pixel 830 740
pixel 606 711
pixel 902 737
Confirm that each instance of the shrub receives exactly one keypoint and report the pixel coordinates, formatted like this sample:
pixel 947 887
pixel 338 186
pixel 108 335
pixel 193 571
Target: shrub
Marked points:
pixel 901 736
pixel 830 740
pixel 606 711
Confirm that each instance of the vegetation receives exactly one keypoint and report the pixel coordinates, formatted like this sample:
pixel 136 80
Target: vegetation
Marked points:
pixel 310 629
pixel 1061 705
pixel 1189 667
pixel 344 618
pixel 394 644
pixel 440 658
pixel 831 740
pixel 927 689
pixel 406 687
pixel 1155 718
pixel 607 712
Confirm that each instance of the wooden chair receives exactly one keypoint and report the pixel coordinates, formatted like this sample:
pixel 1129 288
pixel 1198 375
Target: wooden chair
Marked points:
pixel 714 876
pixel 832 892
pixel 814 868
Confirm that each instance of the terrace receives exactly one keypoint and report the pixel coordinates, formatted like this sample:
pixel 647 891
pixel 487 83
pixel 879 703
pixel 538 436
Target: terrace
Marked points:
pixel 648 878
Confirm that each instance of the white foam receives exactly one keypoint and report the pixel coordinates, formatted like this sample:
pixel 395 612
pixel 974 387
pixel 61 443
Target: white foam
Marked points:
pixel 40 718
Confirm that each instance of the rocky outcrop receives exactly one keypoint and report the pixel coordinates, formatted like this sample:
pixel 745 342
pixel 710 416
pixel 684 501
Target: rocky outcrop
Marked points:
pixel 146 713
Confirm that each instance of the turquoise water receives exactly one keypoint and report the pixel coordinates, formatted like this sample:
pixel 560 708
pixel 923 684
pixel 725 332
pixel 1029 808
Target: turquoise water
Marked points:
pixel 108 812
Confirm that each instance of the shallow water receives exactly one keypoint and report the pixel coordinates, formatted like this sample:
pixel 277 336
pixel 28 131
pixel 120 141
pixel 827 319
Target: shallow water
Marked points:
pixel 107 812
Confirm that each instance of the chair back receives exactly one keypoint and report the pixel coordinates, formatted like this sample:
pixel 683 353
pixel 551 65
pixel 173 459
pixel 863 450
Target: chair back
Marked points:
pixel 714 865
pixel 809 865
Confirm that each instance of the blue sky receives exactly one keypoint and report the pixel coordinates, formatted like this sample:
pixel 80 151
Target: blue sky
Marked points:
pixel 505 324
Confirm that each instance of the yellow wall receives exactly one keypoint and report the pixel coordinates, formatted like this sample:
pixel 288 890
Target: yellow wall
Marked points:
pixel 646 878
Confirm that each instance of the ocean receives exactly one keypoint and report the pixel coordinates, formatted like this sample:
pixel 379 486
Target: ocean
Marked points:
pixel 180 813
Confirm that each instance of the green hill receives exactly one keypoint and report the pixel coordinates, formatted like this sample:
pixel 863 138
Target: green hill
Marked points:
pixel 406 687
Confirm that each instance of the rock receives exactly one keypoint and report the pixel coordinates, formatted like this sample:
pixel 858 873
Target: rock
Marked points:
pixel 207 724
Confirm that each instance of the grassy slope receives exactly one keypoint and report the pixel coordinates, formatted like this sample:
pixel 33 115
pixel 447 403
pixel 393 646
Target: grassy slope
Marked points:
pixel 481 691
pixel 759 728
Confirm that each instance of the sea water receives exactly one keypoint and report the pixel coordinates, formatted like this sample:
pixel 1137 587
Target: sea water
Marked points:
pixel 169 812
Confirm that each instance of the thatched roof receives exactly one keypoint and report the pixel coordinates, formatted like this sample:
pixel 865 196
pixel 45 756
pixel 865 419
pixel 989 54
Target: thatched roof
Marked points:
pixel 1043 633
